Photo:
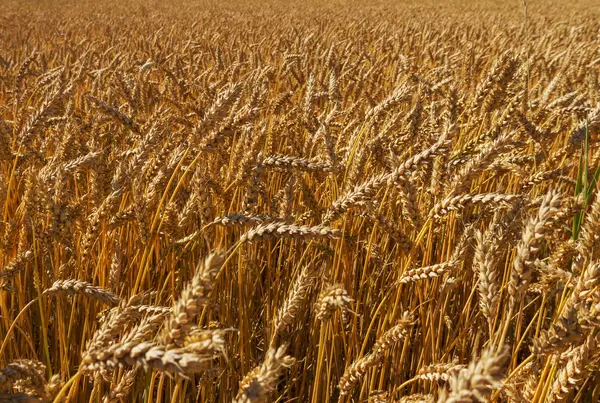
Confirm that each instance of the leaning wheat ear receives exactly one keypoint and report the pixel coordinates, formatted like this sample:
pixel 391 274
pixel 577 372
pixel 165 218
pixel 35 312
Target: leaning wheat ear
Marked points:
pixel 123 387
pixel 259 383
pixel 439 269
pixel 332 298
pixel 136 349
pixel 486 267
pixel 75 287
pixel 439 372
pixel 532 236
pixel 296 299
pixel 28 371
pixel 476 381
pixel 367 190
pixel 356 371
pixel 193 298
pixel 579 364
pixel 278 230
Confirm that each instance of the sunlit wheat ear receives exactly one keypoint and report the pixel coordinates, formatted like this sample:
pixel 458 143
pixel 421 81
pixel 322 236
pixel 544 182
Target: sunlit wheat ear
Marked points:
pixel 579 312
pixel 193 298
pixel 149 356
pixel 259 383
pixel 206 342
pixel 486 86
pixel 496 200
pixel 297 297
pixel 417 398
pixel 356 371
pixel 115 113
pixel 216 113
pixel 278 230
pixel 564 332
pixel 487 271
pixel 75 287
pixel 586 285
pixel 494 131
pixel 367 190
pixel 123 387
pixel 394 335
pixel 574 371
pixel 570 207
pixel 289 163
pixel 135 348
pixel 46 110
pixel 439 372
pixel 556 175
pixel 439 269
pixel 16 265
pixel 461 181
pixel 334 297
pixel 379 396
pixel 244 220
pixel 478 380
pixel 119 319
pixel 31 372
pixel 530 241
pixel 255 186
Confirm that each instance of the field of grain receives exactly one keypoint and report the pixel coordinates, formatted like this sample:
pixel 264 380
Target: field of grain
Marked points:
pixel 265 202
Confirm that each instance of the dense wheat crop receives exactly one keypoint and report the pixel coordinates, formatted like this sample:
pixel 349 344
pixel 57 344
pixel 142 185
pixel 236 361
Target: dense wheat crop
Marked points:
pixel 255 202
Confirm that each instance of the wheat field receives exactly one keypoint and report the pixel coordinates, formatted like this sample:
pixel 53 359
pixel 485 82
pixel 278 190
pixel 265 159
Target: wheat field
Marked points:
pixel 274 202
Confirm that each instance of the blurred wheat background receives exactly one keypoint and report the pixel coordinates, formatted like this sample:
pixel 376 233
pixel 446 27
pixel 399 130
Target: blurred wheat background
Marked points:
pixel 275 202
